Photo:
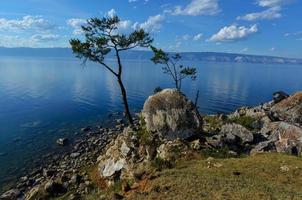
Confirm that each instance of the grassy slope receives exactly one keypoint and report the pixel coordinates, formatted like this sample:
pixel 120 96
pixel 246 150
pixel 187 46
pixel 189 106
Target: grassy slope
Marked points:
pixel 257 177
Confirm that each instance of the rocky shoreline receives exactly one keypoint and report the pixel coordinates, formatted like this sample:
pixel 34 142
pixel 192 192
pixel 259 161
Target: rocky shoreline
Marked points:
pixel 169 129
pixel 67 166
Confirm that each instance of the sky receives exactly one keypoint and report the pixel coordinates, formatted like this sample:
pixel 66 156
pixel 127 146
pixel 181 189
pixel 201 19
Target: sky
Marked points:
pixel 261 27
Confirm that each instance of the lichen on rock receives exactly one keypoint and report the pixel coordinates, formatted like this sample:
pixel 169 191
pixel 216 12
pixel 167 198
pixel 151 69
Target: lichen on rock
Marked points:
pixel 172 115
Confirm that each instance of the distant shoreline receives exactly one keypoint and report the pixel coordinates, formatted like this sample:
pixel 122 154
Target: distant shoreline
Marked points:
pixel 146 55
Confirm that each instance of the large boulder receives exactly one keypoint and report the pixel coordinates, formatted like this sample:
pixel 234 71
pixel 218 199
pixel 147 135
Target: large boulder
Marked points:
pixel 281 137
pixel 289 110
pixel 233 131
pixel 290 139
pixel 172 115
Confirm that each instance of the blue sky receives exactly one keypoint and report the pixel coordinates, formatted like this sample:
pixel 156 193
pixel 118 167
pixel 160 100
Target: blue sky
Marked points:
pixel 265 27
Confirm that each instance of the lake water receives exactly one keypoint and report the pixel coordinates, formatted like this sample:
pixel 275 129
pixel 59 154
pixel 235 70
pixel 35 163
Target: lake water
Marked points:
pixel 43 99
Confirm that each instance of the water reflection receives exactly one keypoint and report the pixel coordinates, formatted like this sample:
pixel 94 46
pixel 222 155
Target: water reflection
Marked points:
pixel 43 99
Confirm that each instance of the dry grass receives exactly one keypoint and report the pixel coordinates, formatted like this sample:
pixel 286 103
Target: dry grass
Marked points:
pixel 258 177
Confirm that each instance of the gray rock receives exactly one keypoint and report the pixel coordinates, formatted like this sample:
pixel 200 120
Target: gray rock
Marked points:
pixel 54 188
pixel 265 146
pixel 119 121
pixel 110 167
pixel 86 129
pixel 125 150
pixel 49 172
pixel 62 141
pixel 75 179
pixel 75 155
pixel 289 110
pixel 10 195
pixel 232 130
pixel 279 96
pixel 171 114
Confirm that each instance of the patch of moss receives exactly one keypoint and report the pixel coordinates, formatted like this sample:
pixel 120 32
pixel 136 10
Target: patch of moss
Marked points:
pixel 246 121
pixel 161 164
pixel 212 123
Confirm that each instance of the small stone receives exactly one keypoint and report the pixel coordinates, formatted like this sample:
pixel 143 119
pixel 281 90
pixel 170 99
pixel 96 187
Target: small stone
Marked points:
pixel 75 155
pixel 86 129
pixel 119 121
pixel 125 150
pixel 62 141
pixel 284 168
pixel 75 179
pixel 48 172
pixel 54 188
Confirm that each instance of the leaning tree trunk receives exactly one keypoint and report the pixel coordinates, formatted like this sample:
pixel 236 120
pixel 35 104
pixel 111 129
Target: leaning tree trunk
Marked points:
pixel 125 101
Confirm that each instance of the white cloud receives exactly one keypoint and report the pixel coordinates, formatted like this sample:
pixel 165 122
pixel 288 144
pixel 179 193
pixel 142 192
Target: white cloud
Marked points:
pixel 198 7
pixel 198 37
pixel 111 13
pixel 185 37
pixel 271 13
pixel 132 1
pixel 272 49
pixel 153 24
pixel 45 37
pixel 76 24
pixel 36 23
pixel 125 25
pixel 272 3
pixel 233 33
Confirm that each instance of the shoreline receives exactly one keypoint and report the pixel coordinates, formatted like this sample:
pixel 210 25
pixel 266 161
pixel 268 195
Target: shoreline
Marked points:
pixel 240 130
pixel 81 152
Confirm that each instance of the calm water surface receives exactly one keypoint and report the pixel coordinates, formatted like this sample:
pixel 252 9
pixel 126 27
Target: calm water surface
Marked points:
pixel 42 99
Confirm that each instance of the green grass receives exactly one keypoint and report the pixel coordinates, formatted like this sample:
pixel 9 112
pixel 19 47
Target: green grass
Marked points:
pixel 258 177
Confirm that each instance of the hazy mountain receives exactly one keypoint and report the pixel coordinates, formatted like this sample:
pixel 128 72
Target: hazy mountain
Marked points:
pixel 195 56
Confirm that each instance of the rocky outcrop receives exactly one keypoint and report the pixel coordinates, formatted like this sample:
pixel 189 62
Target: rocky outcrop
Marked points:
pixel 172 115
pixel 11 194
pixel 279 96
pixel 289 110
pixel 235 131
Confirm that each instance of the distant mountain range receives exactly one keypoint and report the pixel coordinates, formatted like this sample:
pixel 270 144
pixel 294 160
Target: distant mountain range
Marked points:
pixel 135 54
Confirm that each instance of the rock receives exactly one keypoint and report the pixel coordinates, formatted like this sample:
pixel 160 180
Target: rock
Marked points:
pixel 281 137
pixel 290 139
pixel 125 150
pixel 10 195
pixel 265 146
pixel 195 144
pixel 75 179
pixel 54 188
pixel 231 131
pixel 49 172
pixel 111 167
pixel 86 129
pixel 172 150
pixel 279 96
pixel 32 193
pixel 284 168
pixel 119 121
pixel 171 114
pixel 75 155
pixel 289 110
pixel 62 141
